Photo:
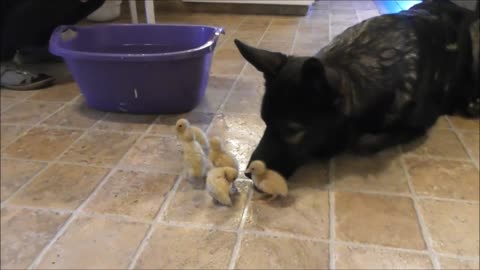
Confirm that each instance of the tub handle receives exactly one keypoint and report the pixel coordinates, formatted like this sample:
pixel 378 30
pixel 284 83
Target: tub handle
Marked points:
pixel 218 31
pixel 66 32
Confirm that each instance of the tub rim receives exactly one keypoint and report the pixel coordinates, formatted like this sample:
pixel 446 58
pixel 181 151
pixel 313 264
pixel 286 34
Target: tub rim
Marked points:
pixel 56 48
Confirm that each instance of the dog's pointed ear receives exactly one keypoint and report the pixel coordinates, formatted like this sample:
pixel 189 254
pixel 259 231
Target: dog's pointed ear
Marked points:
pixel 264 61
pixel 314 72
pixel 329 83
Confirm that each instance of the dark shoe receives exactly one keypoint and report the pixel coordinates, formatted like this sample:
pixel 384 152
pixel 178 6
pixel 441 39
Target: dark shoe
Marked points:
pixel 17 79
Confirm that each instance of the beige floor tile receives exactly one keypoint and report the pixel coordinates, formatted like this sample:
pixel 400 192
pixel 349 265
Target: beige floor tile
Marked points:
pixel 162 154
pixel 375 219
pixel 95 243
pixel 241 133
pixel 472 143
pixel 246 96
pixel 283 47
pixel 24 233
pixel 15 173
pixel 211 102
pixel 462 123
pixel 442 123
pixel 100 148
pixel 230 54
pixel 165 124
pixel 234 126
pixel 242 149
pixel 367 14
pixel 439 143
pixel 251 72
pixel 450 263
pixel 454 227
pixel 220 83
pixel 227 67
pixel 441 178
pixel 125 122
pixel 311 175
pixel 9 133
pixel 64 92
pixel 348 257
pixel 184 248
pixel 42 143
pixel 259 252
pixel 194 205
pixel 75 116
pixel 16 93
pixel 60 187
pixel 380 172
pixel 303 212
pixel 6 102
pixel 136 194
pixel 29 112
pixel 243 102
pixel 247 27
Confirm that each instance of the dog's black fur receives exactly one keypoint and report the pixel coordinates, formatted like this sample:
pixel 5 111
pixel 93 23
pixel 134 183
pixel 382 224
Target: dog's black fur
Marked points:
pixel 382 82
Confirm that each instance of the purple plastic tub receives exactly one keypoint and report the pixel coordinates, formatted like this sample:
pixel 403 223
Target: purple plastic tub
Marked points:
pixel 138 68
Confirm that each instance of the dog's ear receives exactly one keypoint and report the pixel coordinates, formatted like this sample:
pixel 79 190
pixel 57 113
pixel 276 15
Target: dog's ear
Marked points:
pixel 264 61
pixel 328 83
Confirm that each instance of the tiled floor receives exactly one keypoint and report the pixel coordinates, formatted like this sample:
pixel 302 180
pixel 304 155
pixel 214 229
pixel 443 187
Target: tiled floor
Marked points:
pixel 86 189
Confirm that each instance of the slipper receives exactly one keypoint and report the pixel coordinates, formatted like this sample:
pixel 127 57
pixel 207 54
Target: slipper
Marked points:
pixel 16 79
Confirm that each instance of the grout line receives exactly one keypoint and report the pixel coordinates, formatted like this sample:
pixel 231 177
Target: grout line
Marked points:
pixel 379 247
pixel 79 209
pixel 36 208
pixel 292 49
pixel 331 214
pixel 113 217
pixel 423 227
pixel 227 96
pixel 32 126
pixel 161 213
pixel 190 225
pixel 157 219
pixel 49 164
pixel 269 233
pixel 240 231
pixel 57 162
pixel 371 192
pixel 329 23
pixel 358 16
pixel 413 155
pixel 459 257
pixel 465 148
pixel 447 200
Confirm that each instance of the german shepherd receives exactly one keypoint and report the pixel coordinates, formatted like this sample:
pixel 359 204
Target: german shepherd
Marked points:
pixel 382 82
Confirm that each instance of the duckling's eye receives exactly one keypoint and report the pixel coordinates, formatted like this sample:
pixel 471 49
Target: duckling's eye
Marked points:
pixel 180 126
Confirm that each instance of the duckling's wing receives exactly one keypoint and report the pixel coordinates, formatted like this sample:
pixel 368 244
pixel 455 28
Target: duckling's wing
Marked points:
pixel 201 137
pixel 219 189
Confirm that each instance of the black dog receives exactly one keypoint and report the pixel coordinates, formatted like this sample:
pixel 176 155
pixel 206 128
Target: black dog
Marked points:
pixel 382 82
